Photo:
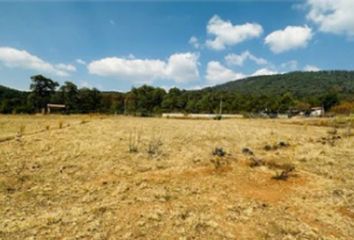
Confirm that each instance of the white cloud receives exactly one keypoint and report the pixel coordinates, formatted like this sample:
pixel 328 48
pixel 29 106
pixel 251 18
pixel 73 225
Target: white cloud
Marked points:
pixel 14 58
pixel 183 67
pixel 180 67
pixel 66 67
pixel 80 61
pixel 194 42
pixel 217 73
pixel 311 68
pixel 227 34
pixel 238 60
pixel 263 72
pixel 291 37
pixel 332 16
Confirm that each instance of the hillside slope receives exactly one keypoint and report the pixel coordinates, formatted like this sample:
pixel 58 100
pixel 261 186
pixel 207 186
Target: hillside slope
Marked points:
pixel 300 84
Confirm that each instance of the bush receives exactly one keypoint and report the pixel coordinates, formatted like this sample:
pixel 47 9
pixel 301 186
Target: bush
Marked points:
pixel 218 117
pixel 219 152
pixel 344 108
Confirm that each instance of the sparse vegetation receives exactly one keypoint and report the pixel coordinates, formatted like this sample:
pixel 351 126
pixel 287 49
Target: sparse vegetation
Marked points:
pixel 154 146
pixel 247 151
pixel 60 124
pixel 285 173
pixel 88 176
pixel 134 141
pixel 219 152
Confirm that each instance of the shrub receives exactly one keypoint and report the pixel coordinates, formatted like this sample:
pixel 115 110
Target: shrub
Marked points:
pixel 218 117
pixel 256 162
pixel 247 151
pixel 285 173
pixel 219 152
pixel 154 146
pixel 134 141
pixel 344 108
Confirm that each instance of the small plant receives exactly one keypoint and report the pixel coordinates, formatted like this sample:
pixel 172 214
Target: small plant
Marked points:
pixel 154 146
pixel 219 159
pixel 348 130
pixel 219 152
pixel 216 162
pixel 247 151
pixel 256 162
pixel 22 129
pixel 83 121
pixel 61 124
pixel 268 147
pixel 20 133
pixel 134 140
pixel 218 117
pixel 281 144
pixel 285 173
pixel 47 127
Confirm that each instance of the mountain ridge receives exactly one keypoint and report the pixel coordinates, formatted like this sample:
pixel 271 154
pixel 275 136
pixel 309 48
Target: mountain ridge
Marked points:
pixel 300 84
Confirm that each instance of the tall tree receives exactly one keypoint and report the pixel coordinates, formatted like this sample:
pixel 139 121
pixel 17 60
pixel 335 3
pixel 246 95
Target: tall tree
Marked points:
pixel 90 100
pixel 42 89
pixel 70 95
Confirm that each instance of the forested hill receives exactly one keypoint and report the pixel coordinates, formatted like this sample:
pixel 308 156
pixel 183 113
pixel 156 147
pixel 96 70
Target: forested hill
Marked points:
pixel 8 92
pixel 334 90
pixel 299 84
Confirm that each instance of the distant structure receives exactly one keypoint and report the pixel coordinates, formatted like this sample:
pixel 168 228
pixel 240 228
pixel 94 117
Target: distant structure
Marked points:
pixel 317 112
pixel 51 107
pixel 199 116
pixel 312 112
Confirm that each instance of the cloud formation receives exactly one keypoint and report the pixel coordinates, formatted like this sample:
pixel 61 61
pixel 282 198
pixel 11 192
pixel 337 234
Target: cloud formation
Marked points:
pixel 332 16
pixel 180 67
pixel 194 42
pixel 226 34
pixel 239 59
pixel 80 61
pixel 291 37
pixel 264 72
pixel 216 73
pixel 14 58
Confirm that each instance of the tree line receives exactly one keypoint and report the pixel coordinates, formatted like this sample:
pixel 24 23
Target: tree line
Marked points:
pixel 147 100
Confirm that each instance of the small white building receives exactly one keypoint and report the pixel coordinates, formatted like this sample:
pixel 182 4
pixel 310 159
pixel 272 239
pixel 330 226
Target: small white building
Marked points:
pixel 317 112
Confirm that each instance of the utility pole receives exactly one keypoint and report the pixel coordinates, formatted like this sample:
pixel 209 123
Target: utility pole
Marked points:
pixel 125 105
pixel 220 109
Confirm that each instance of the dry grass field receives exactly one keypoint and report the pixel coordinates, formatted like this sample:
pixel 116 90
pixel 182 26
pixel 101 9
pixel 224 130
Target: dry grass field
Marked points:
pixel 106 177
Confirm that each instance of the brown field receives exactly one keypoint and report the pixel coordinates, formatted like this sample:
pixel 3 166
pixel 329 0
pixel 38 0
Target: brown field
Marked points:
pixel 106 177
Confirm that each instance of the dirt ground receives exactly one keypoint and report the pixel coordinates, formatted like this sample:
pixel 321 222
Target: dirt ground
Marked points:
pixel 107 177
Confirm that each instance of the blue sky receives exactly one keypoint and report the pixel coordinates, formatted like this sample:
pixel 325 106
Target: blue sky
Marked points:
pixel 117 45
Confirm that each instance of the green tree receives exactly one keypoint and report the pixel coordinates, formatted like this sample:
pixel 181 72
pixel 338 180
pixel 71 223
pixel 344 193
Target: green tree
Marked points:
pixel 144 101
pixel 329 100
pixel 42 90
pixel 89 100
pixel 70 95
pixel 286 102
